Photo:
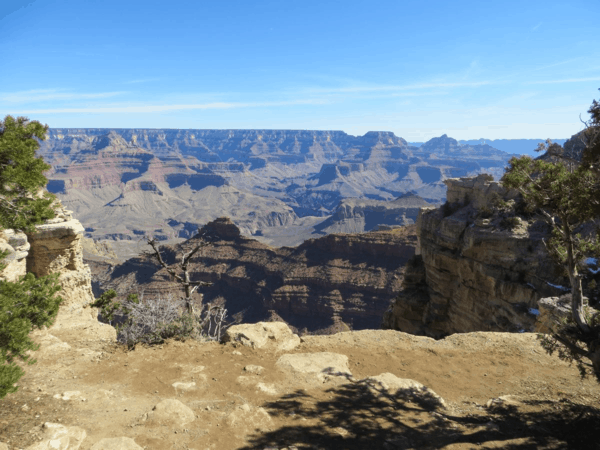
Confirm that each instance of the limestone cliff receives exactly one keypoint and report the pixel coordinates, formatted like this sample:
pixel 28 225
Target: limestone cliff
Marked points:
pixel 56 247
pixel 17 247
pixel 479 265
pixel 347 277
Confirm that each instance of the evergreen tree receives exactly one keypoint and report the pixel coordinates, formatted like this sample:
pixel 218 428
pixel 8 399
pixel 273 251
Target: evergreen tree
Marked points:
pixel 22 175
pixel 29 302
pixel 565 194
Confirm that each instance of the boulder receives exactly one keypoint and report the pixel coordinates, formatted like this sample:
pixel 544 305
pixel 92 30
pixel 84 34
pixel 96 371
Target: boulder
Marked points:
pixel 390 384
pixel 275 336
pixel 172 411
pixel 121 443
pixel 551 311
pixel 314 367
pixel 251 368
pixel 249 417
pixel 18 248
pixel 59 437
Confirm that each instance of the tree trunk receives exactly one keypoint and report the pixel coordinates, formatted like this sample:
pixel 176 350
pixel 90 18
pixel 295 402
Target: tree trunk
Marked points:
pixel 576 289
pixel 188 292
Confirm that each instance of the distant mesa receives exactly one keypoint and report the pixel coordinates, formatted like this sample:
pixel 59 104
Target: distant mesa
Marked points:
pixel 266 181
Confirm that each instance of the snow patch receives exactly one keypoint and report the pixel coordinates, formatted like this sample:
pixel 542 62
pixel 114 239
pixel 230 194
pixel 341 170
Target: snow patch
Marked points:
pixel 562 288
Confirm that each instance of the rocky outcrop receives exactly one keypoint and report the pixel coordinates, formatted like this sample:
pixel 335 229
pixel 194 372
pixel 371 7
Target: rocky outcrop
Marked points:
pixel 354 215
pixel 552 311
pixel 479 267
pixel 274 336
pixel 55 247
pixel 17 248
pixel 349 278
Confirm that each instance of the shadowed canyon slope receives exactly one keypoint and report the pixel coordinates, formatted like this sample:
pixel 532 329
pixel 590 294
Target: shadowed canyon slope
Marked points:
pixel 277 185
pixel 350 278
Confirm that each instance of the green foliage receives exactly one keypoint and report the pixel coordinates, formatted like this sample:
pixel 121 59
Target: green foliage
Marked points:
pixel 22 175
pixel 24 305
pixel 510 223
pixel 109 308
pixel 591 138
pixel 564 196
pixel 30 302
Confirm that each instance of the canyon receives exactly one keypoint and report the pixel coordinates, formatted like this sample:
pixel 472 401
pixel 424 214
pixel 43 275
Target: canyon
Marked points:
pixel 280 186
pixel 264 387
pixel 335 282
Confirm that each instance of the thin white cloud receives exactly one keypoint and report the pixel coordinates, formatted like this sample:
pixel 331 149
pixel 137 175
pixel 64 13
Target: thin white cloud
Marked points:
pixel 392 88
pixel 567 80
pixel 38 95
pixel 536 27
pixel 165 108
pixel 141 80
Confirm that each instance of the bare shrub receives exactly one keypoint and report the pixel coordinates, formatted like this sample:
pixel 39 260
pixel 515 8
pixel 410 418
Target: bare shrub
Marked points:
pixel 153 320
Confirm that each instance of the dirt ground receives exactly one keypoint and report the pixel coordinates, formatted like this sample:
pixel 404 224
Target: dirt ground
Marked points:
pixel 238 406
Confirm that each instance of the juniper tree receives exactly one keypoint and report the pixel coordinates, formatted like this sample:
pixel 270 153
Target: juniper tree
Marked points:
pixel 29 302
pixel 565 194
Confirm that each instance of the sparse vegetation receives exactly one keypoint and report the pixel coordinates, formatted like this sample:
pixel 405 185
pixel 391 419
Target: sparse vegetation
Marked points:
pixel 510 223
pixel 151 321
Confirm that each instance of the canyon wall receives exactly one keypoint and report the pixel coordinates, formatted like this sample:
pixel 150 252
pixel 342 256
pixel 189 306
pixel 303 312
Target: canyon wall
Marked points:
pixel 127 183
pixel 338 277
pixel 480 266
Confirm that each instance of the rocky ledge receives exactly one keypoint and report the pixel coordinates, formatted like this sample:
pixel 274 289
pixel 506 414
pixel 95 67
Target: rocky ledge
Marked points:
pixel 55 247
pixel 480 266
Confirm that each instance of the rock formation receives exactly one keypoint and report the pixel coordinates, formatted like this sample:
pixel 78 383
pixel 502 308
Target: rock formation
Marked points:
pixel 354 215
pixel 16 260
pixel 56 247
pixel 479 267
pixel 123 184
pixel 348 278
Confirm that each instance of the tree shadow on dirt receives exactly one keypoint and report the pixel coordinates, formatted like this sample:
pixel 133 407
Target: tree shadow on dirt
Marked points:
pixel 363 415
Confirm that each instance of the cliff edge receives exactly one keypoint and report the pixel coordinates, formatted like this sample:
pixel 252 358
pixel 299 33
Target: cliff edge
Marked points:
pixel 479 266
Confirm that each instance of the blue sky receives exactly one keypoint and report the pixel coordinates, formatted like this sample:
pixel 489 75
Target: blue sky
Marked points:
pixel 470 69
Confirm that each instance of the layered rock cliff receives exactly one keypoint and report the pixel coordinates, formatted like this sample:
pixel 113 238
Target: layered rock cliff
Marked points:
pixel 55 247
pixel 355 215
pixel 125 183
pixel 480 266
pixel 338 277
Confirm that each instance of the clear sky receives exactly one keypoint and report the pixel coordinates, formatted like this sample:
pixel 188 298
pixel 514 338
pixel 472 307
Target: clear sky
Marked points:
pixel 470 69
